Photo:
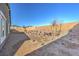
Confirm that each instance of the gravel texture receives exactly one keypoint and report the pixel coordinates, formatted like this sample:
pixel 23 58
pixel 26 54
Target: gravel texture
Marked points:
pixel 65 46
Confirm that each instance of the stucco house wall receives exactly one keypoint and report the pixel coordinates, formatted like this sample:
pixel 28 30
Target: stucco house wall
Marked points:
pixel 5 22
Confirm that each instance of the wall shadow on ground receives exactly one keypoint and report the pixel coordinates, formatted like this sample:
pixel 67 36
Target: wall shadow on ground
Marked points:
pixel 13 43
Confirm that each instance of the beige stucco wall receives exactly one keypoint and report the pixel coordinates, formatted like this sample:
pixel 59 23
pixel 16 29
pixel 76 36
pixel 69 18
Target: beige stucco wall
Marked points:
pixel 6 11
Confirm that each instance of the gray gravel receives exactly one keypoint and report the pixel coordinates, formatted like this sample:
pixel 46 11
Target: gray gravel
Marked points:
pixel 65 46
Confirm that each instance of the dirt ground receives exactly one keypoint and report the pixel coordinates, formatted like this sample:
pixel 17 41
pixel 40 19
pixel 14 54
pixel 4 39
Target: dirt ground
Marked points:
pixel 65 46
pixel 22 42
pixel 39 38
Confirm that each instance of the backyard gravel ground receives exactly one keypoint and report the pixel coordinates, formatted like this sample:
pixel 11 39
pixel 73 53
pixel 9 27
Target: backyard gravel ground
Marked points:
pixel 65 46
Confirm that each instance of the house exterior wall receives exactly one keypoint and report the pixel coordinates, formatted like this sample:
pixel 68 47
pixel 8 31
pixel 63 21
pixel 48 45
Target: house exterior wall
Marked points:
pixel 5 12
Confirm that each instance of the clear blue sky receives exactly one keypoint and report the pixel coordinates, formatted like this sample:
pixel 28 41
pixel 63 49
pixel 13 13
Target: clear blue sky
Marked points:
pixel 43 14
